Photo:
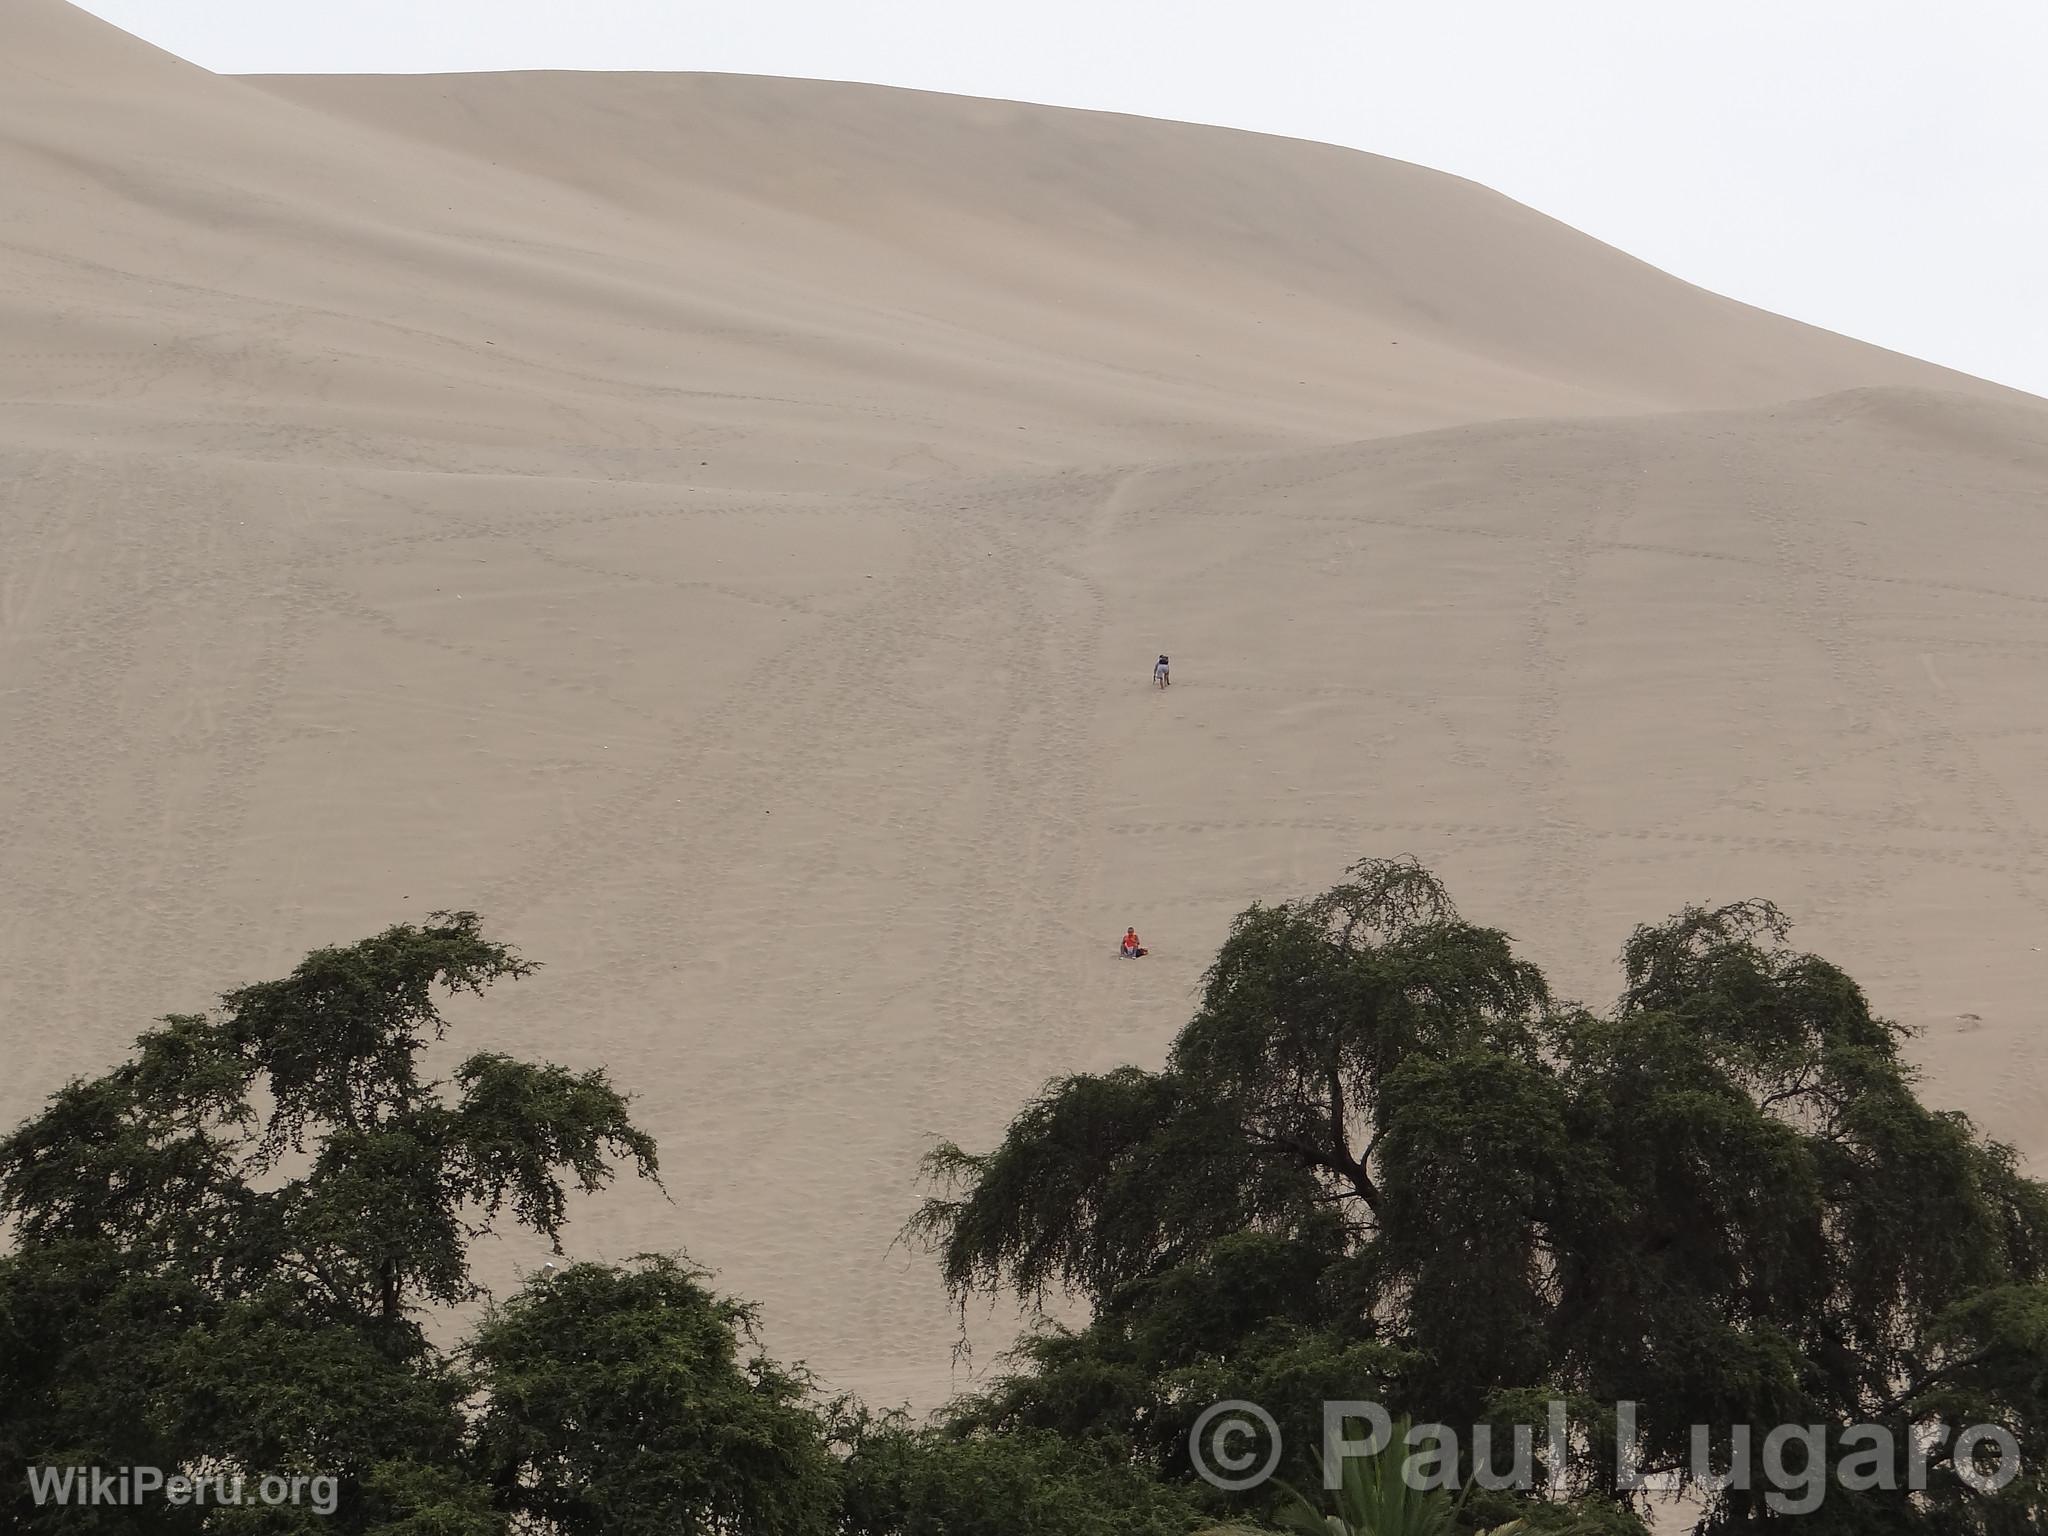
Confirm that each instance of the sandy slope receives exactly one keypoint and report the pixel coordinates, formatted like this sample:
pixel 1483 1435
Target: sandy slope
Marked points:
pixel 720 529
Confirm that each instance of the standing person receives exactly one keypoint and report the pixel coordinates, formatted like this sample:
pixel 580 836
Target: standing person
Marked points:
pixel 1159 674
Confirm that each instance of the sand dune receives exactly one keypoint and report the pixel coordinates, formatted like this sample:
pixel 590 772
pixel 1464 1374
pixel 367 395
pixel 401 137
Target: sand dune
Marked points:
pixel 720 528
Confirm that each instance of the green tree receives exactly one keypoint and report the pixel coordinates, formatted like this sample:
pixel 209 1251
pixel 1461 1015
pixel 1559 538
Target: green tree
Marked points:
pixel 617 1404
pixel 902 1479
pixel 222 1248
pixel 1719 1199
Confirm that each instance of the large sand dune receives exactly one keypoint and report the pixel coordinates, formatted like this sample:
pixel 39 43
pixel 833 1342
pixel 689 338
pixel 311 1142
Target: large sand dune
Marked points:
pixel 720 528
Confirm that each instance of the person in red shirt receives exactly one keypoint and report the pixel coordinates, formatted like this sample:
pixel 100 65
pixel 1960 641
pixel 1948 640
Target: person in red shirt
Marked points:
pixel 1132 948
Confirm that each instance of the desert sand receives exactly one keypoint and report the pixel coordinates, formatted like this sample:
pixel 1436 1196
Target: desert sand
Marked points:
pixel 721 529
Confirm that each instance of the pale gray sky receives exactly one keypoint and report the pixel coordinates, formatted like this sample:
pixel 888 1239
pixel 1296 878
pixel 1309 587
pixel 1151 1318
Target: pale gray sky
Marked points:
pixel 1879 167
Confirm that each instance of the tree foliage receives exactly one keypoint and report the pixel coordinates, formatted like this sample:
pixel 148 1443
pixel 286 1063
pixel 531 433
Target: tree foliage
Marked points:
pixel 169 1158
pixel 902 1479
pixel 222 1249
pixel 1720 1199
pixel 620 1406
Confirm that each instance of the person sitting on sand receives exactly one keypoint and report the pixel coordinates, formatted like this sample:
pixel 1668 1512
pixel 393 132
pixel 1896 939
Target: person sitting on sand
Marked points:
pixel 1159 674
pixel 1132 948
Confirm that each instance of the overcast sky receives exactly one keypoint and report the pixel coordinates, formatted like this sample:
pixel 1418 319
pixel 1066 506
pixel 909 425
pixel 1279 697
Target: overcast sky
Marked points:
pixel 1879 167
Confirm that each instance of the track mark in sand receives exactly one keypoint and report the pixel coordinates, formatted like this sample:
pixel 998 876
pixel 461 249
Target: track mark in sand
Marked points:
pixel 146 837
pixel 1812 587
pixel 1561 847
pixel 2027 648
pixel 1934 677
pixel 1741 793
pixel 1912 730
pixel 1541 490
pixel 1538 537
pixel 1072 864
pixel 54 536
pixel 1466 834
pixel 819 688
pixel 1472 831
pixel 674 583
pixel 1963 588
pixel 2006 817
pixel 985 847
pixel 241 742
pixel 1840 850
pixel 346 605
pixel 801 692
